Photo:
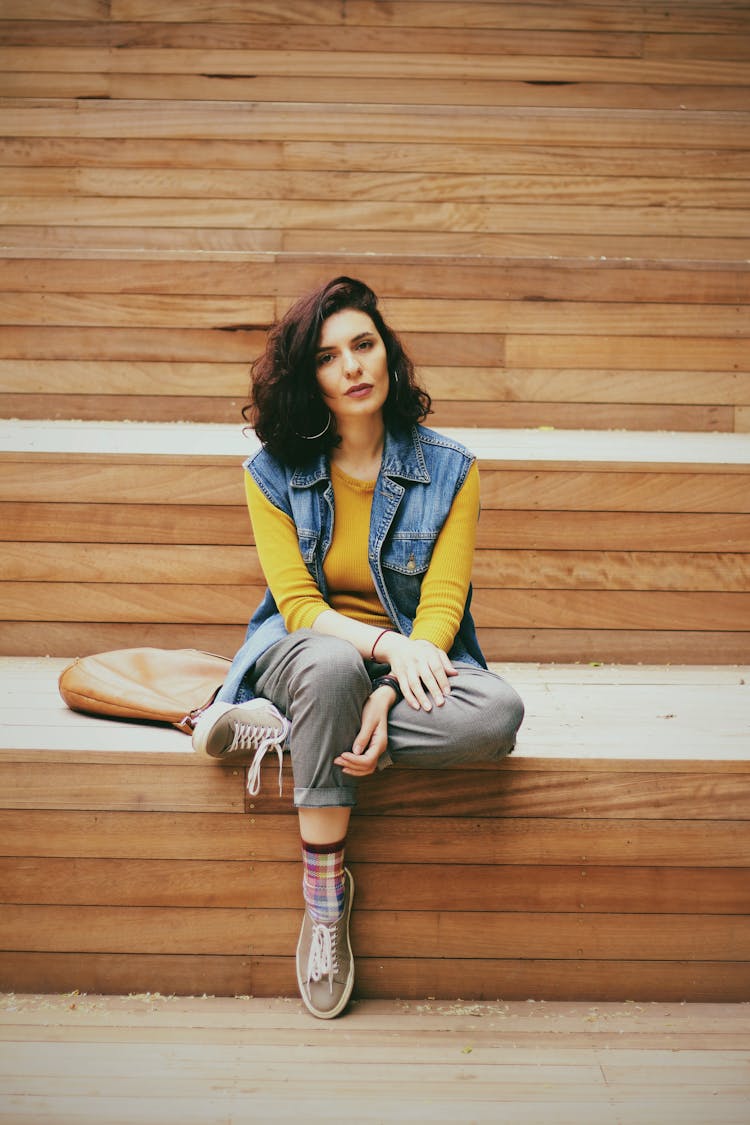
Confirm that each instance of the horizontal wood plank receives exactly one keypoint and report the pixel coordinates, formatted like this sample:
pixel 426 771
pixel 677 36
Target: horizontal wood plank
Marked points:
pixel 397 978
pixel 275 838
pixel 325 37
pixel 311 215
pixel 589 416
pixel 88 481
pixel 703 646
pixel 505 792
pixel 160 243
pixel 380 886
pixel 427 90
pixel 362 155
pixel 410 63
pixel 28 117
pixel 447 13
pixel 238 344
pixel 450 935
pixel 144 523
pixel 496 608
pixel 272 277
pixel 592 570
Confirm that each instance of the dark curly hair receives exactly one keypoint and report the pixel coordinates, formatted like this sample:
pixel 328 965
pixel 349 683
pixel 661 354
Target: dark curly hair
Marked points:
pixel 285 402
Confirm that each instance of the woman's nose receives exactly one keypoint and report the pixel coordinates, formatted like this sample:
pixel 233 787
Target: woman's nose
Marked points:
pixel 351 364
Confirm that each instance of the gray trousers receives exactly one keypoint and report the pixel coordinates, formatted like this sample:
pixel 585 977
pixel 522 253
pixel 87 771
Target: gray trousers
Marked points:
pixel 321 684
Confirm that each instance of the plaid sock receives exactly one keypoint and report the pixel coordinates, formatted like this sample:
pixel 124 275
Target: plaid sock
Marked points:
pixel 323 880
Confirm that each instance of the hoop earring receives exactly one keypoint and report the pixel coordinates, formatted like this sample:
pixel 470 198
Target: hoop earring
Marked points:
pixel 313 437
pixel 395 376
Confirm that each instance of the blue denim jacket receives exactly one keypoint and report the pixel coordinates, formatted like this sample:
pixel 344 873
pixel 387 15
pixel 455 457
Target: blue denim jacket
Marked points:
pixel 421 473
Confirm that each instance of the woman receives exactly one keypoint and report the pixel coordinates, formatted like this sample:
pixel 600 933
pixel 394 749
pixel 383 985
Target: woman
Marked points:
pixel 363 652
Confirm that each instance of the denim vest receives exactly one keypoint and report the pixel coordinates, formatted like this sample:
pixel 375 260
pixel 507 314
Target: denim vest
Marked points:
pixel 420 475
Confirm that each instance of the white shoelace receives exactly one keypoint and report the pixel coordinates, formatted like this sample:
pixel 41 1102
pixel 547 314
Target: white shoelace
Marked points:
pixel 249 736
pixel 322 961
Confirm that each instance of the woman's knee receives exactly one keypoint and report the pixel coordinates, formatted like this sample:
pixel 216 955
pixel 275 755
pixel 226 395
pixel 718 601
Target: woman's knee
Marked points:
pixel 495 713
pixel 507 712
pixel 478 723
pixel 331 667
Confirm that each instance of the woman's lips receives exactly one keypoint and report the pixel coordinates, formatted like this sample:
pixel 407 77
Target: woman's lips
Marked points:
pixel 359 391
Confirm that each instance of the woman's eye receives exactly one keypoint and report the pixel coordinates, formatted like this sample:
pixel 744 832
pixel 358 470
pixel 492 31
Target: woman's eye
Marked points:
pixel 323 359
pixel 364 345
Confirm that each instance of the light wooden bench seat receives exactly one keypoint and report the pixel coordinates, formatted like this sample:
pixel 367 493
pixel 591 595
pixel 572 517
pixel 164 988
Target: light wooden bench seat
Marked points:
pixel 616 547
pixel 606 859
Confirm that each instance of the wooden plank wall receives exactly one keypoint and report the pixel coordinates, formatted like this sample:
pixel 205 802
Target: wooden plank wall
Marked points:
pixel 614 562
pixel 569 880
pixel 552 198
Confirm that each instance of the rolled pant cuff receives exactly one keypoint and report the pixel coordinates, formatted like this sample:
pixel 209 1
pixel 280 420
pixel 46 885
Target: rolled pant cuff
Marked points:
pixel 324 798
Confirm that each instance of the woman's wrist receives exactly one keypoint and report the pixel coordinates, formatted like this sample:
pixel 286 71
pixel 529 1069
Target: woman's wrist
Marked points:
pixel 381 635
pixel 389 682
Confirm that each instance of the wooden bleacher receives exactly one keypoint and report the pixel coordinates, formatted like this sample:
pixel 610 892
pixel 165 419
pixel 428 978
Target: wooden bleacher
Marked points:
pixel 552 201
pixel 592 547
pixel 606 859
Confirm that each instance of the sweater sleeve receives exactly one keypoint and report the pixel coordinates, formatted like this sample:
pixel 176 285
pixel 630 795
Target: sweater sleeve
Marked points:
pixel 446 584
pixel 293 587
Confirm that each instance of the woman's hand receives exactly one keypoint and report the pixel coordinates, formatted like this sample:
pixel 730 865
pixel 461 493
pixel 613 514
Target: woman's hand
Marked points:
pixel 372 739
pixel 420 668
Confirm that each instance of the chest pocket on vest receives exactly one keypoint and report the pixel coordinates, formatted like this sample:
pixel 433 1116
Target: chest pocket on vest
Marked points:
pixel 410 555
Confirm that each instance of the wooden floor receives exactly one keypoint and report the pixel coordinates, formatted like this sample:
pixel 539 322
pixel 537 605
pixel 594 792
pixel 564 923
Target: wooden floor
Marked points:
pixel 115 1060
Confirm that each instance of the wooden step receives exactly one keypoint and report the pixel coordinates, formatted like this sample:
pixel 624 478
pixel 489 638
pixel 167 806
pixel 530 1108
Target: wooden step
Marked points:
pixel 592 546
pixel 607 856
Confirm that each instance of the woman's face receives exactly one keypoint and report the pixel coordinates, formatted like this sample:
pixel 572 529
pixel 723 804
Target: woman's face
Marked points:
pixel 351 366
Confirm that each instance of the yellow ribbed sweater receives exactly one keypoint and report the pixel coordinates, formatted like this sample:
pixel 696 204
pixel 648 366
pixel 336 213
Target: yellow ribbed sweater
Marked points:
pixel 350 584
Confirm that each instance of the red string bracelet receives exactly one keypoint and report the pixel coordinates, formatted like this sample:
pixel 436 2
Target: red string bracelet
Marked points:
pixel 377 641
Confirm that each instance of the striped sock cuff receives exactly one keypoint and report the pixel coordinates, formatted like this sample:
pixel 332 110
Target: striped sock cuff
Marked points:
pixel 323 883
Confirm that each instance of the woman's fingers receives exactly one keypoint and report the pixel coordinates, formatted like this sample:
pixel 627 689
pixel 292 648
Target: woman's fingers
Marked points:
pixel 428 677
pixel 422 669
pixel 359 765
pixel 371 741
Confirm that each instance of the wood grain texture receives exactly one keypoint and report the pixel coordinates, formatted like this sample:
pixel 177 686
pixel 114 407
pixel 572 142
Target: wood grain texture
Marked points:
pixel 531 530
pixel 157 1058
pixel 504 793
pixel 382 886
pixel 265 277
pixel 589 863
pixel 538 92
pixel 447 13
pixel 411 63
pixel 618 645
pixel 409 934
pixel 607 561
pixel 592 570
pixel 552 202
pixel 353 155
pixel 588 416
pixel 274 838
pixel 507 978
pixel 617 489
pixel 29 117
